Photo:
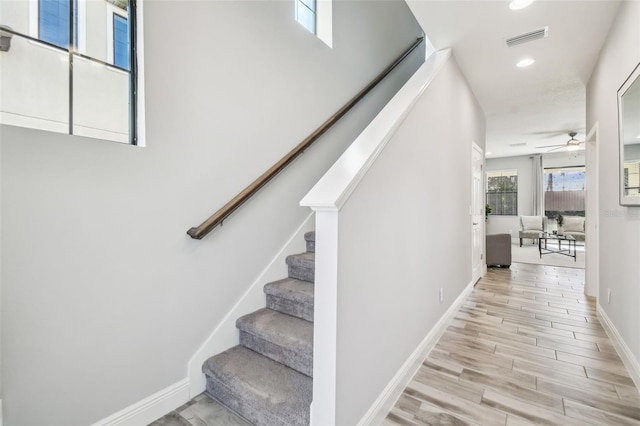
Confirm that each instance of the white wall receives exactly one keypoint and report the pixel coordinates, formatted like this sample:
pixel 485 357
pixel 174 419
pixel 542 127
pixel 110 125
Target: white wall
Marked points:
pixel 395 250
pixel 104 296
pixel 498 224
pixel 619 226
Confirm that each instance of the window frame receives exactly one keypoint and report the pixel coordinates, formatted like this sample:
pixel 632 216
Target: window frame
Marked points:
pixel 69 14
pixel 494 208
pixel 117 18
pixel 110 39
pixel 323 19
pixel 560 190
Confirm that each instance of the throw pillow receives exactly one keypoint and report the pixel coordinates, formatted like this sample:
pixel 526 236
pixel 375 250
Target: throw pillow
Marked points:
pixel 573 224
pixel 531 223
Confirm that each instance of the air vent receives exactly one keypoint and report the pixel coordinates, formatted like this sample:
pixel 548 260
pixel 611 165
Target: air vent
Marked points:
pixel 518 144
pixel 527 37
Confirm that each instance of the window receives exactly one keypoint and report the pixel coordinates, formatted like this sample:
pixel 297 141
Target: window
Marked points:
pixel 631 178
pixel 53 21
pixel 71 68
pixel 564 191
pixel 317 17
pixel 564 179
pixel 502 192
pixel 120 41
pixel 306 14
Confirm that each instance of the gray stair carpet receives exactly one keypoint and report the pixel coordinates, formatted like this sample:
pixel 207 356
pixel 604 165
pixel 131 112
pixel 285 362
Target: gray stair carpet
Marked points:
pixel 267 378
pixel 281 337
pixel 291 296
pixel 263 391
pixel 310 238
pixel 302 266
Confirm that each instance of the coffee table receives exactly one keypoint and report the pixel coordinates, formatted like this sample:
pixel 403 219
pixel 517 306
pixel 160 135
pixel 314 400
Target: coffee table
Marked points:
pixel 543 248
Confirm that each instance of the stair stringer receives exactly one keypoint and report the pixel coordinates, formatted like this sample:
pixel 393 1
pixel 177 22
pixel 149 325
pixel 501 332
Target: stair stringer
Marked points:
pixel 225 334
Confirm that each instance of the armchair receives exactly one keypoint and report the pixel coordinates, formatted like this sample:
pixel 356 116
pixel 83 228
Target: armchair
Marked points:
pixel 574 226
pixel 531 227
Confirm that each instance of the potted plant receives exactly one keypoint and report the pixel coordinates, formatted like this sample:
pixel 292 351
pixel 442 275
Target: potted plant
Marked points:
pixel 560 221
pixel 487 211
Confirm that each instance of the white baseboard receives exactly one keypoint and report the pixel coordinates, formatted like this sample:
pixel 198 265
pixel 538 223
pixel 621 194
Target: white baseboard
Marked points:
pixel 385 402
pixel 225 334
pixel 632 364
pixel 151 408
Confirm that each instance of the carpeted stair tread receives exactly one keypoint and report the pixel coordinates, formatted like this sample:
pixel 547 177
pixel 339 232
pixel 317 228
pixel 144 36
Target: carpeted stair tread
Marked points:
pixel 291 289
pixel 263 391
pixel 281 337
pixel 302 266
pixel 292 297
pixel 310 238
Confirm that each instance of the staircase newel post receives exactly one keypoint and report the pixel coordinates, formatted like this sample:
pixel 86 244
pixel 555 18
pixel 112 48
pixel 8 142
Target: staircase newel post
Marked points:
pixel 323 407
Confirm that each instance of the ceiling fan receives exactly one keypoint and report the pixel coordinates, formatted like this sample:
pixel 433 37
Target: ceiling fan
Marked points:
pixel 571 145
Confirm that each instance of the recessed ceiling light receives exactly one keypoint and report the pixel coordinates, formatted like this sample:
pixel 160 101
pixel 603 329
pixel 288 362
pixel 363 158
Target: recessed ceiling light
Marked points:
pixel 519 4
pixel 525 63
pixel 638 136
pixel 489 153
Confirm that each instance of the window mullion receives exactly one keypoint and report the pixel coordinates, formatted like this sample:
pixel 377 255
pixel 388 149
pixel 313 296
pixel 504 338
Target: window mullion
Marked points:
pixel 133 72
pixel 71 42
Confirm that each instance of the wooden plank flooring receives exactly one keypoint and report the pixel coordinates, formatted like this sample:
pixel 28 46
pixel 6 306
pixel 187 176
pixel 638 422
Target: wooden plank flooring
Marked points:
pixel 526 348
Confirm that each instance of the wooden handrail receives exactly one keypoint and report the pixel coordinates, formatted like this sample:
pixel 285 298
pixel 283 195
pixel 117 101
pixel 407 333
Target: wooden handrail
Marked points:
pixel 218 217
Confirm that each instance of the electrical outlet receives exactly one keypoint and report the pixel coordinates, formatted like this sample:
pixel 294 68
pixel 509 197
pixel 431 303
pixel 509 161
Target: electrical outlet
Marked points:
pixel 441 294
pixel 608 295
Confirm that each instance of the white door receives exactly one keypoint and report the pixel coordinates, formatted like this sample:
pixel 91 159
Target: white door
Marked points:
pixel 477 213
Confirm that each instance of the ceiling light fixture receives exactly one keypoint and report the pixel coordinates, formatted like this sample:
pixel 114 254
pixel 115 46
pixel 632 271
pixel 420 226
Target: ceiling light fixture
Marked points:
pixel 525 63
pixel 489 153
pixel 519 4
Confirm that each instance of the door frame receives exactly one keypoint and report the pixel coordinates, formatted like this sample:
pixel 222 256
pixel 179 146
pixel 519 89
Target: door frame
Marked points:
pixel 592 237
pixel 483 264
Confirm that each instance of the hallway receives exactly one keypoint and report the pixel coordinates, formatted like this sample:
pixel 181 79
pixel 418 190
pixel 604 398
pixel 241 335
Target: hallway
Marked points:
pixel 526 348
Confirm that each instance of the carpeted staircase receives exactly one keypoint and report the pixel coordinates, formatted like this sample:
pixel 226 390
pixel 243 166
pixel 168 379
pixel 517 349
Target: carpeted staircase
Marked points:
pixel 267 379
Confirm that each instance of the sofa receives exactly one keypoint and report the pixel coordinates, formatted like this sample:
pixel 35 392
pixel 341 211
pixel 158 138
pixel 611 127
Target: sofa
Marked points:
pixel 498 248
pixel 531 227
pixel 574 226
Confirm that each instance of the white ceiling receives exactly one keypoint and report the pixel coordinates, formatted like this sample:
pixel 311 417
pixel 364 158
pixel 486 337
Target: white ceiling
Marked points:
pixel 537 105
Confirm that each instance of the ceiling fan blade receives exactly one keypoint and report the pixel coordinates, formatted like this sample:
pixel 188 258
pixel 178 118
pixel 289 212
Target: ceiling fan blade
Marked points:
pixel 551 133
pixel 550 146
pixel 559 147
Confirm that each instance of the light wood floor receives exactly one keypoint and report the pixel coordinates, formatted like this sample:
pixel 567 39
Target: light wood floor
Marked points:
pixel 525 349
